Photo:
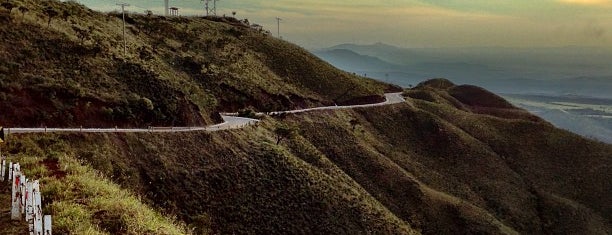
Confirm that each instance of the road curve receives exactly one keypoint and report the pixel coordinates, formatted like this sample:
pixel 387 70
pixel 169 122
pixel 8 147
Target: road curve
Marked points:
pixel 230 121
pixel 390 98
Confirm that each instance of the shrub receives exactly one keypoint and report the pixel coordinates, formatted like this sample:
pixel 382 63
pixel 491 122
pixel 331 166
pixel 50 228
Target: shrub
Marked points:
pixel 247 113
pixel 284 132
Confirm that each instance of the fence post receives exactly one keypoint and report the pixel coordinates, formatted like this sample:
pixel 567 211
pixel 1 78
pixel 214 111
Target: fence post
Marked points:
pixel 38 223
pixel 28 204
pixel 22 190
pixel 3 170
pixel 10 172
pixel 15 197
pixel 47 224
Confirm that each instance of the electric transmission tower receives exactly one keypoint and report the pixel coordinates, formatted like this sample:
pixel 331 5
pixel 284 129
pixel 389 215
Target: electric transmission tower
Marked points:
pixel 210 10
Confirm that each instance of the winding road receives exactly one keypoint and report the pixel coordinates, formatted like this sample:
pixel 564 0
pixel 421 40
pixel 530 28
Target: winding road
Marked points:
pixel 231 121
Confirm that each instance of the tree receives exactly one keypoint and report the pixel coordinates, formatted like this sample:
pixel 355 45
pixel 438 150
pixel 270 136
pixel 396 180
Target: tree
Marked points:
pixel 50 12
pixel 234 14
pixel 8 6
pixel 284 132
pixel 354 123
pixel 23 10
pixel 65 15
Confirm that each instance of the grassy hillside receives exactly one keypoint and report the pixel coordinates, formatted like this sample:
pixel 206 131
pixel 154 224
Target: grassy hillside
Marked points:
pixel 440 167
pixel 70 69
pixel 80 199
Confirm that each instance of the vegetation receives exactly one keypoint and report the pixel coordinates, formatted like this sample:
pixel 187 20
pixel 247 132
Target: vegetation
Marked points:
pixel 284 132
pixel 354 123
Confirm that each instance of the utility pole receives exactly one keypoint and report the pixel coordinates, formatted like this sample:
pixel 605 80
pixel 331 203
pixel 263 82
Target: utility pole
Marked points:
pixel 166 7
pixel 123 5
pixel 278 20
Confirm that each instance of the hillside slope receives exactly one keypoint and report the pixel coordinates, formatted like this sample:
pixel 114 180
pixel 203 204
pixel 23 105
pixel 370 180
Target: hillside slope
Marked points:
pixel 71 69
pixel 441 163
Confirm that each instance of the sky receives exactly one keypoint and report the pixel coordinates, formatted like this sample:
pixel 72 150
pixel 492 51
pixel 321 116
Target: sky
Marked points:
pixel 414 23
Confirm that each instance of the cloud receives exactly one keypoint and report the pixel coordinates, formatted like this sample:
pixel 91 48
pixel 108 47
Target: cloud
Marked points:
pixel 588 2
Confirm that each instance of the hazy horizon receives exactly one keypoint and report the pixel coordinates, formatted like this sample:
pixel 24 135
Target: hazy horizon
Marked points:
pixel 414 23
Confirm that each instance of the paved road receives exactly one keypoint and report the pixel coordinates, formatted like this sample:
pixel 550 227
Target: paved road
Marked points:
pixel 230 121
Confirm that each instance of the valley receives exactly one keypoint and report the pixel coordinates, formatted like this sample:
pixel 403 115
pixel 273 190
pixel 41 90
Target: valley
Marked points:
pixel 585 116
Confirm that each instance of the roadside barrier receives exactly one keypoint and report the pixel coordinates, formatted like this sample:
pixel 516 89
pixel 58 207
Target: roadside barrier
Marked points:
pixel 26 200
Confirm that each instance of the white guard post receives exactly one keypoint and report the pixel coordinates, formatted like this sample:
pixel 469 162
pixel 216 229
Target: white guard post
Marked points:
pixel 3 170
pixel 38 223
pixel 47 220
pixel 29 208
pixel 15 196
pixel 22 190
pixel 10 171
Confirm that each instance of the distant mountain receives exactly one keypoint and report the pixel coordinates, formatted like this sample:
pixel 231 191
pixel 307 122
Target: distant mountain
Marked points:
pixel 349 60
pixel 583 71
pixel 385 52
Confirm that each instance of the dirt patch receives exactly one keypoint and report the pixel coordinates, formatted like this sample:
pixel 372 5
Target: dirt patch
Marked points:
pixel 52 166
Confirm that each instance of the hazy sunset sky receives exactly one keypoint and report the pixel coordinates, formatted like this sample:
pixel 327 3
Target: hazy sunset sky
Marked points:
pixel 414 23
